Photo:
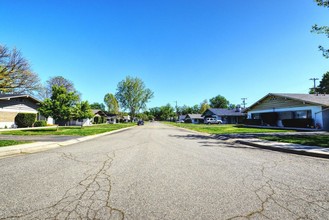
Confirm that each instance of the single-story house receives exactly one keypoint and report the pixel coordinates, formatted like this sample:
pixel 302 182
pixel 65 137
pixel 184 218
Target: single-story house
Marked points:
pixel 227 116
pixel 194 119
pixel 181 118
pixel 97 115
pixel 291 110
pixel 12 104
pixel 112 118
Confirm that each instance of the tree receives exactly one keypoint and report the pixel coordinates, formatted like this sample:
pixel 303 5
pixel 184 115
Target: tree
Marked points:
pixel 324 84
pixel 81 111
pixel 60 105
pixel 111 103
pixel 219 102
pixel 167 112
pixel 97 105
pixel 204 106
pixel 59 81
pixel 322 29
pixel 16 75
pixel 133 95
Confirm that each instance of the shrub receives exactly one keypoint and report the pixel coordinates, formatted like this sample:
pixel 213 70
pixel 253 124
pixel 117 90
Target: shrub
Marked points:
pixel 298 123
pixel 23 120
pixel 40 124
pixel 97 120
pixel 252 122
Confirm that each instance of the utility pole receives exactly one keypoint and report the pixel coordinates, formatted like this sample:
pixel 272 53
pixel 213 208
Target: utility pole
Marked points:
pixel 244 102
pixel 314 83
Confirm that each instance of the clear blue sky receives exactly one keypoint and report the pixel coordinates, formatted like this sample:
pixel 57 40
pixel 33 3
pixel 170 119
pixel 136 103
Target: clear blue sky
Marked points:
pixel 185 51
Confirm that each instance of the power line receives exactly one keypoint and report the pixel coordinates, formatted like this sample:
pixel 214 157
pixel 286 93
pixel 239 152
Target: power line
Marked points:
pixel 244 102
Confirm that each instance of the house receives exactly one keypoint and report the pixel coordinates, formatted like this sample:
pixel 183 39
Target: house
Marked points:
pixel 227 116
pixel 291 110
pixel 99 116
pixel 12 104
pixel 194 119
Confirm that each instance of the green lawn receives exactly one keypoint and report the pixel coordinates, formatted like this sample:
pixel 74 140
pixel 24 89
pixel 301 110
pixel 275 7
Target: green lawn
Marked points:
pixel 224 129
pixel 4 143
pixel 71 130
pixel 311 140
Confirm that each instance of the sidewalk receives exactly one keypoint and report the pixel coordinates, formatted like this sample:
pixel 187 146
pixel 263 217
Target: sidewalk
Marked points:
pixel 47 145
pixel 313 151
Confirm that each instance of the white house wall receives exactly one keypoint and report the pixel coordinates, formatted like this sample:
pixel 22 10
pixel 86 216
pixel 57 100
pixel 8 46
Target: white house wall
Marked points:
pixel 318 118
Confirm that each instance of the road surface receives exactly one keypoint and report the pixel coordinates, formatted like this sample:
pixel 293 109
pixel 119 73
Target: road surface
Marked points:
pixel 160 172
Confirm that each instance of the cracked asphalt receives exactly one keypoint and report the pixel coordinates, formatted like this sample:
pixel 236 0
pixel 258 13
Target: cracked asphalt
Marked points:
pixel 160 172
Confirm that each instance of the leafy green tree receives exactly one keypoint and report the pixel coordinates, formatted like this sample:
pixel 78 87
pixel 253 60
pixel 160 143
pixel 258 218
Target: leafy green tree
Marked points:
pixel 16 75
pixel 322 29
pixel 60 105
pixel 112 103
pixel 155 112
pixel 97 105
pixel 167 112
pixel 81 111
pixel 133 95
pixel 219 102
pixel 324 84
pixel 204 106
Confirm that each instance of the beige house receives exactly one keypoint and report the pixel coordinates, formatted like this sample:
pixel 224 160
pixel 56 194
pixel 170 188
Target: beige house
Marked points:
pixel 12 104
pixel 291 110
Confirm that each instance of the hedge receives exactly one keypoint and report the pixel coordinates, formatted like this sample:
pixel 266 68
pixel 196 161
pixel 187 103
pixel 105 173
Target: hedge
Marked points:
pixel 252 122
pixel 298 123
pixel 23 120
pixel 40 124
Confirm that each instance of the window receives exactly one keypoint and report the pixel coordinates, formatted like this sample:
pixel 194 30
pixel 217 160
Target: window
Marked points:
pixel 303 114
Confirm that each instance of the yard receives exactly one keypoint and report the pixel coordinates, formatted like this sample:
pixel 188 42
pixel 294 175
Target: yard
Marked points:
pixel 310 140
pixel 70 130
pixel 225 129
pixel 4 143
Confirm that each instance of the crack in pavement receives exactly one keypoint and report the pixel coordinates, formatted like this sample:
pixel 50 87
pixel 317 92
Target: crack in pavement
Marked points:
pixel 90 199
pixel 268 195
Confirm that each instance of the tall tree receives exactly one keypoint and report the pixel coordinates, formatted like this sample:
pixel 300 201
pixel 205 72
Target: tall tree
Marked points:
pixel 82 110
pixel 204 106
pixel 219 102
pixel 133 95
pixel 324 84
pixel 16 75
pixel 112 103
pixel 167 112
pixel 322 29
pixel 60 105
pixel 97 105
pixel 59 81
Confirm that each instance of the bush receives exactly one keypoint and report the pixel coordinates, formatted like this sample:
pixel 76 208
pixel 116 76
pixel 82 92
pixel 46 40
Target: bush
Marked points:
pixel 252 122
pixel 298 123
pixel 40 124
pixel 23 120
pixel 97 120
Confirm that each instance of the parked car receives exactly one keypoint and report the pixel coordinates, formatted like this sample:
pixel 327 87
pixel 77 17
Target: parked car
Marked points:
pixel 140 122
pixel 212 121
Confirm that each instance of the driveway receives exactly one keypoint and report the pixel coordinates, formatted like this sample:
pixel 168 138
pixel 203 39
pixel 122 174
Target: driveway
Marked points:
pixel 160 172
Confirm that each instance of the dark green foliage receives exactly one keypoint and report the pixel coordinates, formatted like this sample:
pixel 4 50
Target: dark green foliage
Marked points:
pixel 97 119
pixel 324 84
pixel 253 122
pixel 298 123
pixel 40 123
pixel 219 102
pixel 23 120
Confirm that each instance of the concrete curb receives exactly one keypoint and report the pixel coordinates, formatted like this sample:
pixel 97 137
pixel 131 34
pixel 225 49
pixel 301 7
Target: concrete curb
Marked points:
pixel 43 146
pixel 285 150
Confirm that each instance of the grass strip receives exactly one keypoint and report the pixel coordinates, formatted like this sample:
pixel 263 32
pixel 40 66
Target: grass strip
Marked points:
pixel 71 130
pixel 310 140
pixel 225 129
pixel 5 143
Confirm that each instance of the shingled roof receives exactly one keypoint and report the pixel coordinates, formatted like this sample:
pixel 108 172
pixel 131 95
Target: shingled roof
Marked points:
pixel 317 99
pixel 226 112
pixel 14 96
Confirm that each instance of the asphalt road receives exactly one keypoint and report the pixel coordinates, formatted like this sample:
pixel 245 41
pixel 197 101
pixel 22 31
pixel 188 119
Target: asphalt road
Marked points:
pixel 159 172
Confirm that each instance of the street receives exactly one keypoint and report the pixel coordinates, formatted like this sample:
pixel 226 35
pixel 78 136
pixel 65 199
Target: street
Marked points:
pixel 160 172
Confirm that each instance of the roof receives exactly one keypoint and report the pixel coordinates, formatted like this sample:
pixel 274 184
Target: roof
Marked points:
pixel 194 116
pixel 225 112
pixel 98 111
pixel 317 99
pixel 14 96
